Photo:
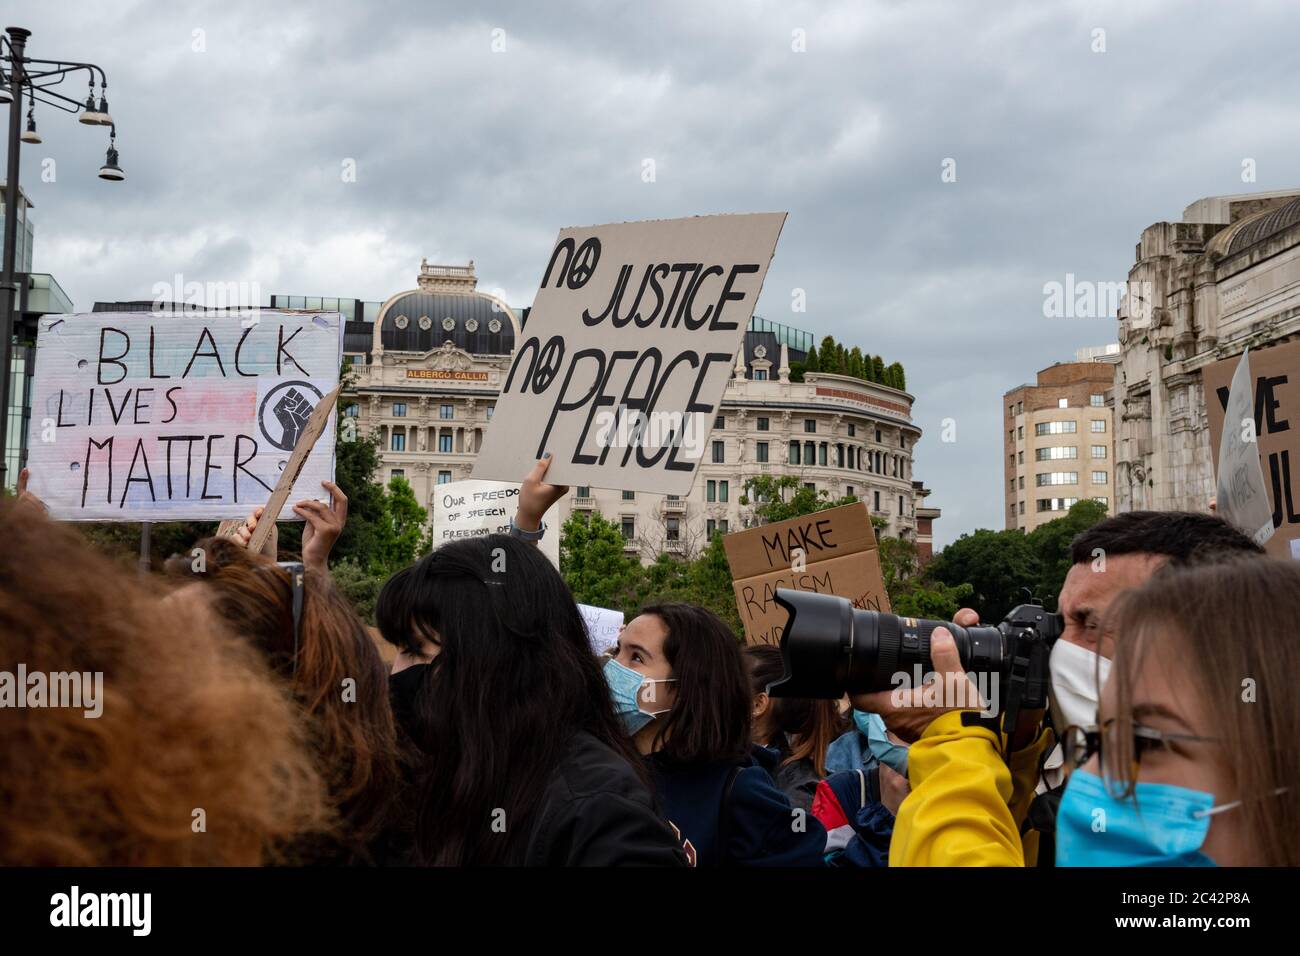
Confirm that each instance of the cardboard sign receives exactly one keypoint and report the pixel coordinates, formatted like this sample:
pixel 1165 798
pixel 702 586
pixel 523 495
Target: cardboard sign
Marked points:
pixel 828 552
pixel 628 348
pixel 602 626
pixel 1276 377
pixel 472 508
pixel 164 416
pixel 1241 494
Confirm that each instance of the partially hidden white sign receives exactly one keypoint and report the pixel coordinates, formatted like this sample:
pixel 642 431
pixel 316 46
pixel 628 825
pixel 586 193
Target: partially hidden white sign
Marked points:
pixel 602 626
pixel 628 348
pixel 162 416
pixel 473 508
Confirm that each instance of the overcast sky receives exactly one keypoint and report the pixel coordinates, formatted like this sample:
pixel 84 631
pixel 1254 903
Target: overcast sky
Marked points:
pixel 478 130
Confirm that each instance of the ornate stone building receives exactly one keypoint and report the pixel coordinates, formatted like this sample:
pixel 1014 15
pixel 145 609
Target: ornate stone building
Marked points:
pixel 1225 276
pixel 430 364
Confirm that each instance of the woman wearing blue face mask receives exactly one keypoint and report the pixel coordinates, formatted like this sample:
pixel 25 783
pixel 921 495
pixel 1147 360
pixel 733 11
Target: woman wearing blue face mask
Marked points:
pixel 680 687
pixel 1195 761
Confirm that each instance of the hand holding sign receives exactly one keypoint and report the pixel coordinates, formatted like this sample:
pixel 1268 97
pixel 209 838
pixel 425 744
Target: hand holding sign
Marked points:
pixel 324 524
pixel 536 496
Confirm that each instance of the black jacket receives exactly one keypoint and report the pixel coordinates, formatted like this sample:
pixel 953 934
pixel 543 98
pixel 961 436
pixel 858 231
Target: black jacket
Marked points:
pixel 595 811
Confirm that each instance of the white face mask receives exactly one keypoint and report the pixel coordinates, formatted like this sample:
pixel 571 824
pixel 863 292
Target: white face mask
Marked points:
pixel 1076 684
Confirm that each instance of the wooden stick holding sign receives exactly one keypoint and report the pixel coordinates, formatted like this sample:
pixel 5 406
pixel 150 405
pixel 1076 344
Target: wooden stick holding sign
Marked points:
pixel 314 428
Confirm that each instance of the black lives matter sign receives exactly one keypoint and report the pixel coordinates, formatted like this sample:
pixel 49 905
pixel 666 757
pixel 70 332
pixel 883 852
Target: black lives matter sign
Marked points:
pixel 627 351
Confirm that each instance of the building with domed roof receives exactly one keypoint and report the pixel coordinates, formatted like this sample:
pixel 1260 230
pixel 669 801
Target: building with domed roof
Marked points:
pixel 429 364
pixel 1225 276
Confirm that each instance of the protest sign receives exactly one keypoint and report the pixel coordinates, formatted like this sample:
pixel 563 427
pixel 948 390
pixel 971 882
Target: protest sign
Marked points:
pixel 602 626
pixel 1275 373
pixel 472 508
pixel 145 416
pixel 628 348
pixel 828 552
pixel 1242 497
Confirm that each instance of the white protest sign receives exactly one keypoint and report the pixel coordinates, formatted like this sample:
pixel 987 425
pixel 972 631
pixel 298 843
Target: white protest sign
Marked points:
pixel 1242 497
pixel 472 508
pixel 602 626
pixel 628 348
pixel 161 416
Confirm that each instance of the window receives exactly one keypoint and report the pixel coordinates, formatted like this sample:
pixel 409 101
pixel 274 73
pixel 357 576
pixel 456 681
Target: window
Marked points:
pixel 1056 453
pixel 710 526
pixel 849 491
pixel 810 425
pixel 719 452
pixel 444 444
pixel 723 491
pixel 1056 504
pixel 1012 485
pixel 1097 401
pixel 853 429
pixel 876 501
pixel 1011 411
pixel 674 529
pixel 794 453
pixel 877 436
pixel 629 529
pixel 399 441
pixel 352 411
pixel 1020 408
pixel 710 491
pixel 629 496
pixel 821 454
pixel 902 440
pixel 1011 434
pixel 490 410
pixel 1062 403
pixel 1098 451
pixel 674 497
pixel 444 477
pixel 1022 507
pixel 760 452
pixel 446 411
pixel 1022 482
pixel 399 409
pixel 810 485
pixel 900 505
pixel 760 375
pixel 1098 477
pixel 397 473
pixel 720 422
pixel 1103 501
pixel 809 453
pixel 584 491
pixel 1056 478
pixel 1098 425
pixel 839 455
pixel 1056 428
pixel 1020 458
pixel 761 424
pixel 722 525
pixel 1020 432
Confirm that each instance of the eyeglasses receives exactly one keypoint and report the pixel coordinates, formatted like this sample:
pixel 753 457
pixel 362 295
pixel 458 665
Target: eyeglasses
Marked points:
pixel 1081 744
pixel 297 581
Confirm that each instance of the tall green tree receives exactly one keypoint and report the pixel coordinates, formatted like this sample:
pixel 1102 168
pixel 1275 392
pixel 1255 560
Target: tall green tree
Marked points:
pixel 404 533
pixel 877 369
pixel 1051 542
pixel 828 356
pixel 996 564
pixel 593 563
pixel 811 362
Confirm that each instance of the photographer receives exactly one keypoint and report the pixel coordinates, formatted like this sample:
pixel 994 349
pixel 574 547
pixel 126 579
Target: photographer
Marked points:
pixel 1114 556
pixel 1194 762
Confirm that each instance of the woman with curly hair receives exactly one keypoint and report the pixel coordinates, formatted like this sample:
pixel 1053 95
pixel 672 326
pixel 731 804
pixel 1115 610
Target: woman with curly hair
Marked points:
pixel 195 758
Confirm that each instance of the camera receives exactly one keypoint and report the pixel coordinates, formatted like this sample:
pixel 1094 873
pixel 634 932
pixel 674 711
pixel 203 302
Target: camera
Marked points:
pixel 830 648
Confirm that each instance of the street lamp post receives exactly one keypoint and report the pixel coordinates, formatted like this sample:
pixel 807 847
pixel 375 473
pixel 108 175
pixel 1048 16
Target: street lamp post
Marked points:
pixel 36 77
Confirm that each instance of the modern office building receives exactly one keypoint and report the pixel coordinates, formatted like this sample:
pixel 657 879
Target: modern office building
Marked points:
pixel 429 364
pixel 38 294
pixel 1058 442
pixel 1225 276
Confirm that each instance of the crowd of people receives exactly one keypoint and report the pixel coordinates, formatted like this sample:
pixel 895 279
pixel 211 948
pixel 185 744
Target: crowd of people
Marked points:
pixel 248 717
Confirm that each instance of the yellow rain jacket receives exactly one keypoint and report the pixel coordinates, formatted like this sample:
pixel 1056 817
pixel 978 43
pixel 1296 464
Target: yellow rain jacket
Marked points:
pixel 966 806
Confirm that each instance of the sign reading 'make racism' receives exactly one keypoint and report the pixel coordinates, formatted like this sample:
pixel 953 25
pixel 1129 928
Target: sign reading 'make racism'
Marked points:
pixel 145 416
pixel 627 350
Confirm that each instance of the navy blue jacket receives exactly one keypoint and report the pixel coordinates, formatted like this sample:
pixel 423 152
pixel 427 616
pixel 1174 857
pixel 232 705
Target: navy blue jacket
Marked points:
pixel 762 828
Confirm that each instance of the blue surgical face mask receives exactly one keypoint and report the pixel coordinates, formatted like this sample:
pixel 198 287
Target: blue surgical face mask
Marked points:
pixel 892 755
pixel 626 684
pixel 1158 825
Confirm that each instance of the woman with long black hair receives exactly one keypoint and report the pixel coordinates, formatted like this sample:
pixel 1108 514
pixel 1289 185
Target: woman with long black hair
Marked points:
pixel 526 761
pixel 681 687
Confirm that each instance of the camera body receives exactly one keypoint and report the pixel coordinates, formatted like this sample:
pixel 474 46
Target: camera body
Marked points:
pixel 830 648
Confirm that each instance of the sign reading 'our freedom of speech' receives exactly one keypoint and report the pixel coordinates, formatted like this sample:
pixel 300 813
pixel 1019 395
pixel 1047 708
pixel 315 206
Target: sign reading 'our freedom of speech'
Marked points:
pixel 173 416
pixel 628 348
